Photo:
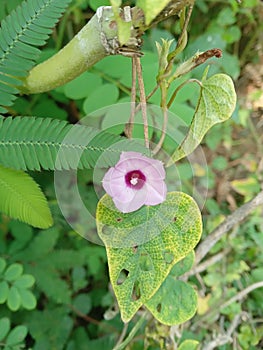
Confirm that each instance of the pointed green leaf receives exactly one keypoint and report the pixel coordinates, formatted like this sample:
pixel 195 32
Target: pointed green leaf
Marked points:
pixel 151 8
pixel 175 302
pixel 4 327
pixel 21 198
pixel 216 104
pixel 143 246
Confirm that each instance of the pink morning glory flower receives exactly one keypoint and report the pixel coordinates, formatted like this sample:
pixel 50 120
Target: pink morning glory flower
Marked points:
pixel 135 181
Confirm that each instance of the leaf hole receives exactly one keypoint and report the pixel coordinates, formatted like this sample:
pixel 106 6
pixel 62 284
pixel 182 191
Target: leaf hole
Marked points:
pixel 123 275
pixel 168 257
pixel 174 218
pixel 159 307
pixel 136 291
pixel 135 249
pixel 119 219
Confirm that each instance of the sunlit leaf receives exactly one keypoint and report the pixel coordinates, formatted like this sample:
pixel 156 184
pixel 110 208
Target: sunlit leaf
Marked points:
pixel 216 104
pixel 143 246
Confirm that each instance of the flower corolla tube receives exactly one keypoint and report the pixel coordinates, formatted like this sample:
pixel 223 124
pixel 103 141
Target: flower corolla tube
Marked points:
pixel 135 181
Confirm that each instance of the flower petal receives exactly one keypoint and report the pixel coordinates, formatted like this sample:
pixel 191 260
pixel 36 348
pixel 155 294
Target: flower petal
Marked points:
pixel 156 192
pixel 114 184
pixel 136 203
pixel 127 198
pixel 154 170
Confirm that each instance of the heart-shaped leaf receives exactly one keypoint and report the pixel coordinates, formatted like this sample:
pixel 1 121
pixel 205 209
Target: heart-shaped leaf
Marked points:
pixel 143 246
pixel 183 265
pixel 216 104
pixel 175 302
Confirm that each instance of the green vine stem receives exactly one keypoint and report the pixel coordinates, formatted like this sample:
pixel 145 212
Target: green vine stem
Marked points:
pixel 97 39
pixel 132 333
pixel 89 46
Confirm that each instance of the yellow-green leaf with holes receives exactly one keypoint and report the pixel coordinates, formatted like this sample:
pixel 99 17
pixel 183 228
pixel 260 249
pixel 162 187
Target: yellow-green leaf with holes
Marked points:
pixel 216 104
pixel 175 302
pixel 21 198
pixel 143 246
pixel 151 8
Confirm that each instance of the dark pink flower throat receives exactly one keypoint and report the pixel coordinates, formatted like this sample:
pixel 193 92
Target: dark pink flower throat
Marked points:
pixel 135 179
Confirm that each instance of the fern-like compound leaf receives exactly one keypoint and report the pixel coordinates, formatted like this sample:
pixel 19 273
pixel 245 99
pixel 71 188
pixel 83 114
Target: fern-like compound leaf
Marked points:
pixel 21 198
pixel 21 32
pixel 29 143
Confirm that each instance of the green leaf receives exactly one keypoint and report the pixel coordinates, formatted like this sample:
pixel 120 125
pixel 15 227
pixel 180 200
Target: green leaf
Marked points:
pixel 79 278
pixel 104 95
pixel 183 265
pixel 175 302
pixel 25 281
pixel 16 336
pixel 189 344
pixel 151 8
pixel 21 198
pixel 50 328
pixel 4 290
pixel 50 283
pixel 94 4
pixel 28 300
pixel 143 246
pixel 13 299
pixel 29 25
pixel 4 327
pixel 13 272
pixel 82 86
pixel 216 104
pixel 29 143
pixel 2 265
pixel 82 303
